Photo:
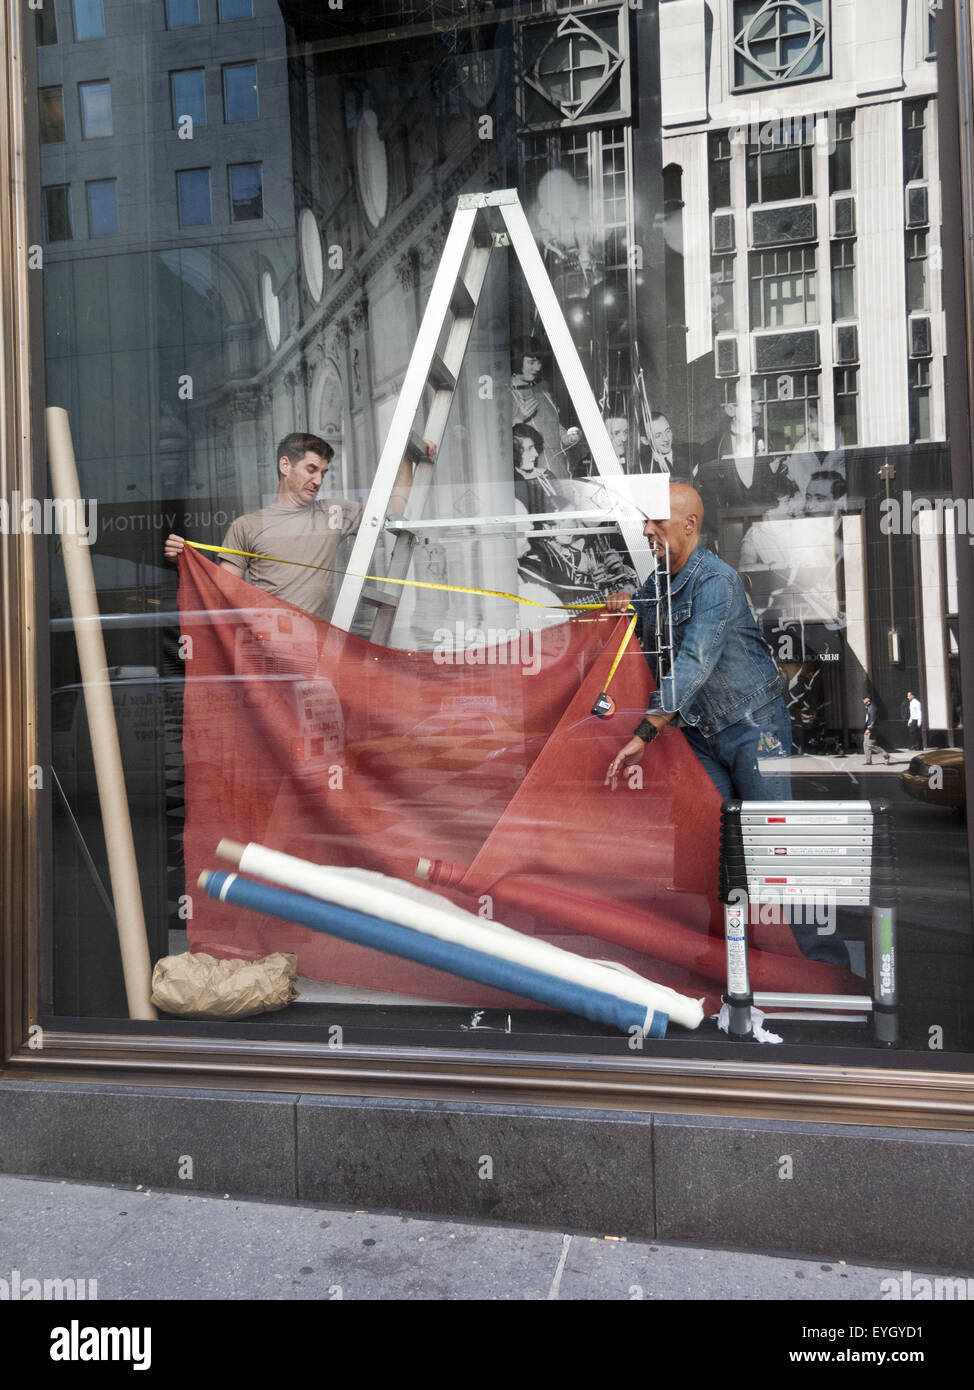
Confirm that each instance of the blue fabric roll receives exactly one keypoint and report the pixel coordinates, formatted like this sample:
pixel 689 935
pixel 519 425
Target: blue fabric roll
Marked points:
pixel 413 945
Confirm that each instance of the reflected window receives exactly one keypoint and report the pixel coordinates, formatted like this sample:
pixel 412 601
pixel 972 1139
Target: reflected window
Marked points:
pixel 236 9
pixel 89 19
pixel 246 192
pixel 843 279
pixel 783 287
pixel 45 26
pixel 188 89
pixel 96 109
pixel 193 187
pixel 914 124
pixel 102 207
pixel 57 212
pixel 50 103
pixel 916 271
pixel 919 376
pixel 720 170
pixel 779 41
pixel 180 12
pixel 786 408
pixel 782 168
pixel 840 159
pixel 846 407
pixel 722 293
pixel 240 92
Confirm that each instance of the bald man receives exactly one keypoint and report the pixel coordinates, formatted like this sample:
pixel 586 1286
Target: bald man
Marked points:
pixel 722 686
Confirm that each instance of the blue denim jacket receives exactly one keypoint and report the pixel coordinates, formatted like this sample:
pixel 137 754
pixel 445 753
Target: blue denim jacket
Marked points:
pixel 722 668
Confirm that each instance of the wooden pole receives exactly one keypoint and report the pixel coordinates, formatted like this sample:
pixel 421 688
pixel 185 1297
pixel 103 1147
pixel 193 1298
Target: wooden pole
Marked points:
pixel 122 866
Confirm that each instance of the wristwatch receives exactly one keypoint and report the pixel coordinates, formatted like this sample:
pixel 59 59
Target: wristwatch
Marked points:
pixel 646 731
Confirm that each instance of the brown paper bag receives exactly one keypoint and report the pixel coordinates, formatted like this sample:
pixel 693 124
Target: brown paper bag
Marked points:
pixel 200 986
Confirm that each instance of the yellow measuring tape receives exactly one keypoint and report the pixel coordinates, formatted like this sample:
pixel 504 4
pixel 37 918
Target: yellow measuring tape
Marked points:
pixel 410 583
pixel 624 644
pixel 449 588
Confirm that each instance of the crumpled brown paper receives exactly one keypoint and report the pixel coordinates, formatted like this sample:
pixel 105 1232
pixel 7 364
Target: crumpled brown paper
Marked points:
pixel 200 986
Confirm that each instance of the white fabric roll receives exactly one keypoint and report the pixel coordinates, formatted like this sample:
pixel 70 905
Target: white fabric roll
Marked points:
pixel 395 900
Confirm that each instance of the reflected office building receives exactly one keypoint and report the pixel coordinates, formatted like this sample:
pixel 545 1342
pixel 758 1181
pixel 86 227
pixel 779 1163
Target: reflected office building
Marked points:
pixel 801 156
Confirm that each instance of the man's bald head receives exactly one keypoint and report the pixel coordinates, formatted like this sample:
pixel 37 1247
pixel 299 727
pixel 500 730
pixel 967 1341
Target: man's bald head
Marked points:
pixel 685 502
pixel 679 536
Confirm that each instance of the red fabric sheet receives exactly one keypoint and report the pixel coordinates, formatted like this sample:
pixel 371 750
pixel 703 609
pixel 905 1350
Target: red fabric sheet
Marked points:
pixel 308 740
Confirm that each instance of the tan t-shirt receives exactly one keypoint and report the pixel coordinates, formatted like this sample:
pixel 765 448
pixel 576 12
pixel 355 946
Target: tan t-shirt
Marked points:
pixel 310 533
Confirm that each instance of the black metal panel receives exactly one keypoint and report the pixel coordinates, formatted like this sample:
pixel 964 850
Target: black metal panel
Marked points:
pixel 781 226
pixel 786 352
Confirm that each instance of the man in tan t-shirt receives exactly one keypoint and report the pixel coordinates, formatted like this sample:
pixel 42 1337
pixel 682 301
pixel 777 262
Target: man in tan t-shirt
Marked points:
pixel 299 525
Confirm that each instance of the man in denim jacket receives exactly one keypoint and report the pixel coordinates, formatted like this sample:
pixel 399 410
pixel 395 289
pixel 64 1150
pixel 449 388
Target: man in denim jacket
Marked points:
pixel 723 687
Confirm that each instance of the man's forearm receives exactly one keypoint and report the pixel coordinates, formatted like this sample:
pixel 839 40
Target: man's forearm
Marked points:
pixel 400 488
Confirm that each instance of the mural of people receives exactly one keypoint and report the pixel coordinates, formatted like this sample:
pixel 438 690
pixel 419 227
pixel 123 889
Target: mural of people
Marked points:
pixel 533 404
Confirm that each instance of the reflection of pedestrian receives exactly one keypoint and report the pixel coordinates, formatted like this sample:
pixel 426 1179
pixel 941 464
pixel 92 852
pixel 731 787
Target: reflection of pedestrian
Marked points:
pixel 869 743
pixel 914 721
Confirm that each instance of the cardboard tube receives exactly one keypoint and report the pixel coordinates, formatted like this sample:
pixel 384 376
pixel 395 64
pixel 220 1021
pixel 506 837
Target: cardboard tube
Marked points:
pixel 122 866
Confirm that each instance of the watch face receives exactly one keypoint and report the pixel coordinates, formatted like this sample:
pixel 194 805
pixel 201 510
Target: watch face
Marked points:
pixel 371 168
pixel 311 258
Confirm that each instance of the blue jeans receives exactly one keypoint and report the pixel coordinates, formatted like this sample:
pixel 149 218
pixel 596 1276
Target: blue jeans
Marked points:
pixel 730 759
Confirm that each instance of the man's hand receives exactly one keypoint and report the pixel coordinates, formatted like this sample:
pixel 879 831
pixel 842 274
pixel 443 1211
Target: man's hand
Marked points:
pixel 173 547
pixel 618 602
pixel 627 757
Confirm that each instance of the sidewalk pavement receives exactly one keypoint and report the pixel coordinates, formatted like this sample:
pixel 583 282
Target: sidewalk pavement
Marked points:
pixel 141 1244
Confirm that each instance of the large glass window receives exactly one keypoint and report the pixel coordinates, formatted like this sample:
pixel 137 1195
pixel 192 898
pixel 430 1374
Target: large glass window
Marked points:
pixel 233 339
pixel 240 101
pixel 96 109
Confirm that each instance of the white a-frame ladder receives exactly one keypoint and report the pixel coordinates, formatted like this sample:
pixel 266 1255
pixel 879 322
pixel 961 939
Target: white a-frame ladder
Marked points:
pixel 454 297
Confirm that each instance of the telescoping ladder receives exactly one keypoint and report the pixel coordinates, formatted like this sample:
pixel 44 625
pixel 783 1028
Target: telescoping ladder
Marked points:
pixel 452 306
pixel 804 854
